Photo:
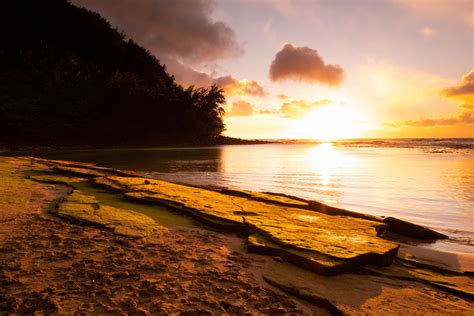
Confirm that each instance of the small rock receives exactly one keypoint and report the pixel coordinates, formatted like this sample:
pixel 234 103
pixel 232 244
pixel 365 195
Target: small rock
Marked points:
pixel 408 229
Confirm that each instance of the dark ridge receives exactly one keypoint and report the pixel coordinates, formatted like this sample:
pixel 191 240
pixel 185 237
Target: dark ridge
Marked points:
pixel 68 78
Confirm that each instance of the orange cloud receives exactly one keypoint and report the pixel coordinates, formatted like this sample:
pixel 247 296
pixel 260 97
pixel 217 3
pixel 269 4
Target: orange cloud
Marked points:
pixel 296 109
pixel 466 117
pixel 304 64
pixel 240 108
pixel 463 92
pixel 233 86
pixel 187 76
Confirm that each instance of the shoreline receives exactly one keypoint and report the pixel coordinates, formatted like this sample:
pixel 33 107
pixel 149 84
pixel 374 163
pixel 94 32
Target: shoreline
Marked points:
pixel 221 140
pixel 220 166
pixel 124 205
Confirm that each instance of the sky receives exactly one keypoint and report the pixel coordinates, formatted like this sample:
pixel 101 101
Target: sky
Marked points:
pixel 317 69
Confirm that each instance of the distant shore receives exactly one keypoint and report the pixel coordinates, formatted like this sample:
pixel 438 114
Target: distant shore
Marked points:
pixel 53 145
pixel 77 237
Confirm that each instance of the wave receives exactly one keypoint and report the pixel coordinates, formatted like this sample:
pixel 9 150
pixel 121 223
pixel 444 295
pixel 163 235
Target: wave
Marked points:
pixel 435 145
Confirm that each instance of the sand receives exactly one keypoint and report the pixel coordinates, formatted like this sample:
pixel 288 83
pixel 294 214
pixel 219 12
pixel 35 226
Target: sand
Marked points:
pixel 57 267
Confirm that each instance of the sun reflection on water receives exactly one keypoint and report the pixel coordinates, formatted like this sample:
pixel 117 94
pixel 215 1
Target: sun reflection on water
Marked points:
pixel 324 159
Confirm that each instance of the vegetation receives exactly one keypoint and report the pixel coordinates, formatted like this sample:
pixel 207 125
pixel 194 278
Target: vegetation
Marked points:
pixel 67 77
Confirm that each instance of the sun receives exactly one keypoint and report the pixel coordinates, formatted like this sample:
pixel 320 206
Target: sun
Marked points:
pixel 331 122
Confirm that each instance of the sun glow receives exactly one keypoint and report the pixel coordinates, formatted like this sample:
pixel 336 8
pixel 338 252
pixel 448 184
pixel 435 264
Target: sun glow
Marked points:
pixel 331 122
pixel 325 159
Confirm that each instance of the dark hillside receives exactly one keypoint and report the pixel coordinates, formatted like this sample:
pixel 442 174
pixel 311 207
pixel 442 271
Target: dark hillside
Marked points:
pixel 67 77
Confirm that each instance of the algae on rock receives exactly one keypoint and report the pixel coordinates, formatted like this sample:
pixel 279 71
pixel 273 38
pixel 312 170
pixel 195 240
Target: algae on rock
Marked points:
pixel 343 238
pixel 81 207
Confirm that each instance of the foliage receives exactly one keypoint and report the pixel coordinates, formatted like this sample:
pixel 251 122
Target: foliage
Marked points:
pixel 68 77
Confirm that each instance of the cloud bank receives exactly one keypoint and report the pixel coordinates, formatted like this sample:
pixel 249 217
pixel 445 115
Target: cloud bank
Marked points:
pixel 179 33
pixel 304 64
pixel 178 29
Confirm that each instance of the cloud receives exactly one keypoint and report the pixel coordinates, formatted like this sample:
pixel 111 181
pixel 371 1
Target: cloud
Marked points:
pixel 282 96
pixel 240 108
pixel 466 117
pixel 187 76
pixel 463 91
pixel 464 94
pixel 293 109
pixel 304 64
pixel 296 109
pixel 179 33
pixel 233 86
pixel 183 30
pixel 428 32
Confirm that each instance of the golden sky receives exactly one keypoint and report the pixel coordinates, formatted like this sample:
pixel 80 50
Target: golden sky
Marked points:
pixel 317 69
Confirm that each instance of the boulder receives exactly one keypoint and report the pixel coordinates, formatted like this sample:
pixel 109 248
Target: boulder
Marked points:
pixel 408 229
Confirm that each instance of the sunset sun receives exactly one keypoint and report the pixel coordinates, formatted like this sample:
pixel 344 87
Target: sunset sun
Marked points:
pixel 327 123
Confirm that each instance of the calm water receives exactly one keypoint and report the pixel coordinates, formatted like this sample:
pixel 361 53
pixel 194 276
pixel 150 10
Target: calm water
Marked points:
pixel 426 182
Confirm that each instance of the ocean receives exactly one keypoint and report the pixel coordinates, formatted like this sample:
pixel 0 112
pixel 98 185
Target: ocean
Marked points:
pixel 426 181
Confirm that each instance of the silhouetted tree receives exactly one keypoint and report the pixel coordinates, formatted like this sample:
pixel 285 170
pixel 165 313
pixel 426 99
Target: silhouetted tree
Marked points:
pixel 68 77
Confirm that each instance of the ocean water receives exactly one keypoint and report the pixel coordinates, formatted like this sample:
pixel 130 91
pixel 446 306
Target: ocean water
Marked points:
pixel 429 182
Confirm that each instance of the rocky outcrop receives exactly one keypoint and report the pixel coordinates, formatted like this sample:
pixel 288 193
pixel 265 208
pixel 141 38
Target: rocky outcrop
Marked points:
pixel 314 236
pixel 408 229
pixel 293 201
pixel 323 243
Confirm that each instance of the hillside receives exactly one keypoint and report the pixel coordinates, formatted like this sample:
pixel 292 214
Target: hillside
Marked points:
pixel 68 78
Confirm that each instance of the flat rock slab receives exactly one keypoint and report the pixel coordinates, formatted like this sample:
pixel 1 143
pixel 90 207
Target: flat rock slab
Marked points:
pixel 293 201
pixel 336 238
pixel 81 207
pixel 267 197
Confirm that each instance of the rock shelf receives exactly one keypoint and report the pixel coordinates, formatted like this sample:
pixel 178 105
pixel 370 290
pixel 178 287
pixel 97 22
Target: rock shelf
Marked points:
pixel 326 244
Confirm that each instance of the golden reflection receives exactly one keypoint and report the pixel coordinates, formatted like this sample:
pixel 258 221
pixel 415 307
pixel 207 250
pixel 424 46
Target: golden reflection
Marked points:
pixel 325 158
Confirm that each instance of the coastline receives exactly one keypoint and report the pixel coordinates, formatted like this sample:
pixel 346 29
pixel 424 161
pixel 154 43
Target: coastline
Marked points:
pixel 88 201
pixel 53 146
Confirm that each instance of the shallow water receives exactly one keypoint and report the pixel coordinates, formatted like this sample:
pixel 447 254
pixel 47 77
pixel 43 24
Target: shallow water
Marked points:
pixel 431 184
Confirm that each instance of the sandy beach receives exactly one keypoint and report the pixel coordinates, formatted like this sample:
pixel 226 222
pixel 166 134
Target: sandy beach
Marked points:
pixel 53 264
